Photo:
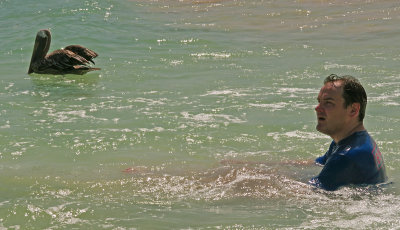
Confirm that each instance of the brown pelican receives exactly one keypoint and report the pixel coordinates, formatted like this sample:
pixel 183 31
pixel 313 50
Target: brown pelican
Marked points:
pixel 73 59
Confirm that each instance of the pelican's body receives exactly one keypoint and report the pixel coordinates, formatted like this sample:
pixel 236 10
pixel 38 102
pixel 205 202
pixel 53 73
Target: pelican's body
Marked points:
pixel 73 59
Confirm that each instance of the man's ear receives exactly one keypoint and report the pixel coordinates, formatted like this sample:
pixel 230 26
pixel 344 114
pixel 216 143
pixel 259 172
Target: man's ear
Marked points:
pixel 355 109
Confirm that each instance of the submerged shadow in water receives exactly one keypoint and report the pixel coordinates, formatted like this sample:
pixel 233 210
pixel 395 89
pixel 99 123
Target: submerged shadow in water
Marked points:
pixel 239 179
pixel 226 181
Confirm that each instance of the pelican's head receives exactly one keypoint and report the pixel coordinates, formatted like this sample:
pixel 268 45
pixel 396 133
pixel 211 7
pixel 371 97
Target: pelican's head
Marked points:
pixel 43 33
pixel 41 47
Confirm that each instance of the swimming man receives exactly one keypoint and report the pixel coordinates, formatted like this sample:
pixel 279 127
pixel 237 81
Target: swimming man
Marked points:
pixel 353 156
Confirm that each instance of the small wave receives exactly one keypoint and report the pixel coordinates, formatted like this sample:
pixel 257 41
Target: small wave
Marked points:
pixel 211 55
pixel 225 92
pixel 296 134
pixel 329 66
pixel 71 116
pixel 207 118
pixel 272 107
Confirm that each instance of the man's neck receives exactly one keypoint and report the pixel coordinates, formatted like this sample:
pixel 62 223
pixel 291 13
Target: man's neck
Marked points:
pixel 356 128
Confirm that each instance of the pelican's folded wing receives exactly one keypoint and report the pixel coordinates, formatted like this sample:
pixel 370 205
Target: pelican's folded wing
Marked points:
pixel 84 52
pixel 65 60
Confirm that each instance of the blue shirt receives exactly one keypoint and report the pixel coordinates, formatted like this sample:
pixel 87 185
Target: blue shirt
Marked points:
pixel 354 160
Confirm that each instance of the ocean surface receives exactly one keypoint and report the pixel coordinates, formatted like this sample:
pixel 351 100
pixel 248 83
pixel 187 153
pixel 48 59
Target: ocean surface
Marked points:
pixel 197 117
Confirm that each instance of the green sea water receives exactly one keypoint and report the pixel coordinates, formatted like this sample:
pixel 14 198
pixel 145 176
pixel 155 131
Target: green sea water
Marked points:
pixel 196 109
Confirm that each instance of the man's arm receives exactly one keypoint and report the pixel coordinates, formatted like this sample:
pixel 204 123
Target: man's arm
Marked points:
pixel 321 160
pixel 338 171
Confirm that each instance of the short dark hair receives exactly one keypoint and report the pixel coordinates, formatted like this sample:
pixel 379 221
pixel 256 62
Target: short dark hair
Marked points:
pixel 353 92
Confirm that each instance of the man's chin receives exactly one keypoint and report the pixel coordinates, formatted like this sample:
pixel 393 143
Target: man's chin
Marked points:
pixel 321 129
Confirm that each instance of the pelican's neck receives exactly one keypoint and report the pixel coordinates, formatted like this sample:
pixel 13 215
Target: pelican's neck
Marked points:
pixel 41 47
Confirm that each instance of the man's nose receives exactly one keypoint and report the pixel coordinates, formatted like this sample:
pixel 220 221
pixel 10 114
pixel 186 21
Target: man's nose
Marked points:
pixel 318 108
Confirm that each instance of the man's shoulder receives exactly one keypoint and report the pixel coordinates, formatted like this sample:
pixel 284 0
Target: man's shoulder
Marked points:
pixel 359 143
pixel 364 152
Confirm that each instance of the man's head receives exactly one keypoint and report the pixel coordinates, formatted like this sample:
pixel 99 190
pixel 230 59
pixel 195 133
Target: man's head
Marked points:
pixel 341 106
pixel 353 92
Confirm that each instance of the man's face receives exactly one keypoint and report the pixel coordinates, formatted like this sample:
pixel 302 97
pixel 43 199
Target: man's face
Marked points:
pixel 331 114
